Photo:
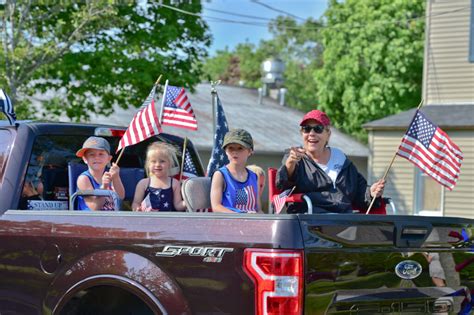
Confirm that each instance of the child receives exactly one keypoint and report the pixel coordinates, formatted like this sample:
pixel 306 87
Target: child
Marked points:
pixel 260 180
pixel 234 188
pixel 159 192
pixel 261 177
pixel 95 153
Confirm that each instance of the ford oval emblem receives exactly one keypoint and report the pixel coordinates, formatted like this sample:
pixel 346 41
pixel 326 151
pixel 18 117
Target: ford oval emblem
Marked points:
pixel 408 269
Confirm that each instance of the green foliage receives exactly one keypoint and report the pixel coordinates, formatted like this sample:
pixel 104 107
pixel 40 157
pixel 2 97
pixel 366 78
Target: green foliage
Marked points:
pixel 296 44
pixel 96 54
pixel 365 63
pixel 217 68
pixel 373 60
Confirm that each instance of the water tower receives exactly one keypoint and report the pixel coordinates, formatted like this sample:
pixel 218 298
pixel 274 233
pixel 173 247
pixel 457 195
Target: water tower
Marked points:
pixel 272 79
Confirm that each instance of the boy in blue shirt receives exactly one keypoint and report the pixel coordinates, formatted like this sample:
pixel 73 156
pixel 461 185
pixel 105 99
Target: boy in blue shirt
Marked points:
pixel 234 188
pixel 95 153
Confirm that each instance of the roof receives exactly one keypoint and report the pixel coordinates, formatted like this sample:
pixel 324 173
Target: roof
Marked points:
pixel 445 116
pixel 273 127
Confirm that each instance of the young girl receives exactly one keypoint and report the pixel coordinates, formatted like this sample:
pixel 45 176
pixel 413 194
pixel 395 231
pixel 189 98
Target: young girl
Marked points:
pixel 159 192
pixel 95 153
pixel 234 188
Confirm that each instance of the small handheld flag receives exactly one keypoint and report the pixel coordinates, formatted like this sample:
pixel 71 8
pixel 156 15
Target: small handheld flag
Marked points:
pixel 189 169
pixel 145 123
pixel 6 107
pixel 430 148
pixel 280 199
pixel 177 110
pixel 218 156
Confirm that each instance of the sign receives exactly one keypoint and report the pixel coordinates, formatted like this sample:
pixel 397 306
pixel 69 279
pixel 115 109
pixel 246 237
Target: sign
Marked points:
pixel 47 205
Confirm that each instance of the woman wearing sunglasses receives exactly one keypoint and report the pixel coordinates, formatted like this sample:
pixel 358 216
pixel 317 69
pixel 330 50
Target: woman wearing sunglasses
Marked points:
pixel 324 173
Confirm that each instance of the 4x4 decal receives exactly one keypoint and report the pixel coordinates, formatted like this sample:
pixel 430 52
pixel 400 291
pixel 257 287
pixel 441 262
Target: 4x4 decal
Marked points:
pixel 210 254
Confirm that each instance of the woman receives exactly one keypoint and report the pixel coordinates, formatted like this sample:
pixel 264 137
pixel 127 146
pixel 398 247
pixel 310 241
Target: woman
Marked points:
pixel 323 173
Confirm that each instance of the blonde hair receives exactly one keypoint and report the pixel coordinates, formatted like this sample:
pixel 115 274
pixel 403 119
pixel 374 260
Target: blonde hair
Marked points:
pixel 163 149
pixel 257 170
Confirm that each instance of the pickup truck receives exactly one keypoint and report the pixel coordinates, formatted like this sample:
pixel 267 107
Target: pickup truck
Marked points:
pixel 57 261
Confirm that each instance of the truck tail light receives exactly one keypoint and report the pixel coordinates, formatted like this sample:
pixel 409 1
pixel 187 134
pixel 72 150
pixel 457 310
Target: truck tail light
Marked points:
pixel 109 132
pixel 278 278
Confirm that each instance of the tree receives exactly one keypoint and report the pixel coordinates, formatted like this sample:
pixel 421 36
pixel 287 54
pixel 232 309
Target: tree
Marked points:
pixel 296 44
pixel 96 54
pixel 218 67
pixel 373 60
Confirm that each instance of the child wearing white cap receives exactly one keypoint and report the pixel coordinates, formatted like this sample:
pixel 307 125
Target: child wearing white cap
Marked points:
pixel 95 153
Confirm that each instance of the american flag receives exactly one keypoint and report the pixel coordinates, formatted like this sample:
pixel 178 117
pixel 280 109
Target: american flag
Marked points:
pixel 430 148
pixel 246 199
pixel 189 170
pixel 6 107
pixel 177 110
pixel 280 199
pixel 145 123
pixel 218 156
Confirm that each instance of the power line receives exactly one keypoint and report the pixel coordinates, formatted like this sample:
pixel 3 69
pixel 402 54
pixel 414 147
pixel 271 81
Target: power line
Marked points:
pixel 214 19
pixel 277 10
pixel 217 19
pixel 237 14
pixel 352 25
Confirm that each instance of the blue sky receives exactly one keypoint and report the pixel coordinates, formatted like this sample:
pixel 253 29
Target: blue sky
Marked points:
pixel 230 34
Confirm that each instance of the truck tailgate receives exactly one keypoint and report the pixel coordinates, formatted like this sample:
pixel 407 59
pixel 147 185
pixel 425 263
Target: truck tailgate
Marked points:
pixel 358 264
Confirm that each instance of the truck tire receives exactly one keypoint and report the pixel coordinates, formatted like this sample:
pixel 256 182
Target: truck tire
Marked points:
pixel 105 300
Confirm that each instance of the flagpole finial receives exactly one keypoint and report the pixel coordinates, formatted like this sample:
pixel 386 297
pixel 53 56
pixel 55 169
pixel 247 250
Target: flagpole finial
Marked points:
pixel 213 86
pixel 158 80
pixel 421 104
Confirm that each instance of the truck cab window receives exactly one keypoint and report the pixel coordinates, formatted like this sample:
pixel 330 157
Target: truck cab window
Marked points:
pixel 46 181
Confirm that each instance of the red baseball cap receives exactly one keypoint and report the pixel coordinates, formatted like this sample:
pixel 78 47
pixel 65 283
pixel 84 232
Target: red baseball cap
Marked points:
pixel 317 115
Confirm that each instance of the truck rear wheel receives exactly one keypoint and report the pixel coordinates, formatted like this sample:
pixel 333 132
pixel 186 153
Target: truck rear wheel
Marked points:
pixel 106 300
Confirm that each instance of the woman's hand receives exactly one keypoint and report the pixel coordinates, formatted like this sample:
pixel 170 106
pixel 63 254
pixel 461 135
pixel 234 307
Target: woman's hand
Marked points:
pixel 376 190
pixel 294 156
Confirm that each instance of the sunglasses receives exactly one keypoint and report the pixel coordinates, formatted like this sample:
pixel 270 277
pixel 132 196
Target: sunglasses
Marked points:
pixel 317 129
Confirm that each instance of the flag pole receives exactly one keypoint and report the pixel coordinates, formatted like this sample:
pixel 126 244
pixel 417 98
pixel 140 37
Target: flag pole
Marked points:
pixel 183 159
pixel 123 149
pixel 158 80
pixel 214 97
pixel 393 160
pixel 163 103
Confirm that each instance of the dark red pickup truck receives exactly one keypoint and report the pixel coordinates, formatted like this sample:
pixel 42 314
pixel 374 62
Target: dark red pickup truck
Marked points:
pixel 55 261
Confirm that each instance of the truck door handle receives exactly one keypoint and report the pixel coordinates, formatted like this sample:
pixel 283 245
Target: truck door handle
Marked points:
pixel 410 234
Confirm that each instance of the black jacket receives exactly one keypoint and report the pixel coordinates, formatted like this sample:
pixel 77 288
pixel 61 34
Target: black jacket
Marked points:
pixel 351 187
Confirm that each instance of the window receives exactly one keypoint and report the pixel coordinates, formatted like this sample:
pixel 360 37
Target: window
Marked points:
pixel 428 195
pixel 471 34
pixel 6 141
pixel 46 184
pixel 46 181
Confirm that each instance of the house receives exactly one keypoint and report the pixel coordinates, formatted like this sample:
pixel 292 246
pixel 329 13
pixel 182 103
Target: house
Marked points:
pixel 273 127
pixel 448 91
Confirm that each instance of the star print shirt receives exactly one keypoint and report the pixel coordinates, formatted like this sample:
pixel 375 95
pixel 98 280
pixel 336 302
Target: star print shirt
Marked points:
pixel 160 199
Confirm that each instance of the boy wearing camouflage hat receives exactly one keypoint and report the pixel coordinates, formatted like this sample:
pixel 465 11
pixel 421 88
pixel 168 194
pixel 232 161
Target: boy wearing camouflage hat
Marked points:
pixel 234 188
